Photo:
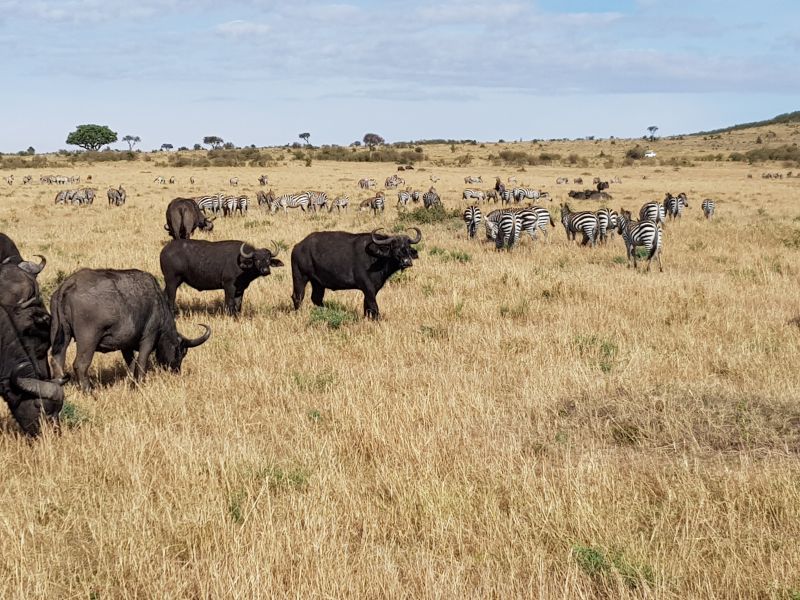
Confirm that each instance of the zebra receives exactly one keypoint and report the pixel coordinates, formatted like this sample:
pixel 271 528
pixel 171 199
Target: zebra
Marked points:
pixel 191 180
pixel 416 196
pixel 61 197
pixel 160 180
pixel 492 220
pixel 378 203
pixel 469 179
pixel 366 184
pixel 172 180
pixel 27 179
pixel 472 217
pixel 652 211
pixel 317 200
pixel 231 204
pixel 708 207
pixel 10 180
pixel 210 204
pixel 340 203
pixel 288 201
pixel 234 181
pixel 394 181
pixel 478 195
pixel 584 221
pixel 509 228
pixel 263 180
pixel 560 180
pixel 491 195
pixel 603 224
pixel 263 198
pixel 116 197
pixel 520 193
pixel 403 197
pixel 674 205
pixel 506 196
pixel 535 218
pixel 431 198
pixel 645 233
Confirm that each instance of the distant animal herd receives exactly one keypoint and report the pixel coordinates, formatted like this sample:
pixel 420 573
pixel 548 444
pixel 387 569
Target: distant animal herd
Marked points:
pixel 127 311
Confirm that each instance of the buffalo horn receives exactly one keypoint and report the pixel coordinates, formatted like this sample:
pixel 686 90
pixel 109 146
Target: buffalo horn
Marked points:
pixel 242 252
pixel 33 268
pixel 166 227
pixel 7 260
pixel 27 303
pixel 277 249
pixel 419 236
pixel 380 242
pixel 41 389
pixel 197 341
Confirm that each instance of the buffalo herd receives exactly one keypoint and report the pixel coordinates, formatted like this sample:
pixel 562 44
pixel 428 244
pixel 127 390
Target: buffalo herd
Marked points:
pixel 127 311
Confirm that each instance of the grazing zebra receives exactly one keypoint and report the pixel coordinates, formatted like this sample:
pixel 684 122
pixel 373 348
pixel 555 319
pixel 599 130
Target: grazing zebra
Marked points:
pixel 708 207
pixel 231 204
pixel 191 180
pixel 160 180
pixel 116 197
pixel 506 196
pixel 317 200
pixel 234 181
pixel 340 203
pixel 613 222
pixel 10 180
pixel 642 233
pixel 416 196
pixel 472 217
pixel 491 195
pixel 288 201
pixel 61 197
pixel 491 222
pixel 603 224
pixel 27 179
pixel 469 179
pixel 560 180
pixel 263 180
pixel 509 229
pixel 652 211
pixel 674 205
pixel 210 204
pixel 470 194
pixel 262 198
pixel 431 198
pixel 584 221
pixel 378 203
pixel 520 193
pixel 403 197
pixel 394 181
pixel 366 184
pixel 172 180
pixel 535 218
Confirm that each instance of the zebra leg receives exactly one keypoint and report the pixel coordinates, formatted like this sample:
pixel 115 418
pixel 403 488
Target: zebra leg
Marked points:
pixel 317 293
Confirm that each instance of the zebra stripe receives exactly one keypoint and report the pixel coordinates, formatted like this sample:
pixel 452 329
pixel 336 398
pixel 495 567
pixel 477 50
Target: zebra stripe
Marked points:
pixel 340 203
pixel 584 222
pixel 642 233
pixel 431 198
pixel 652 211
pixel 403 197
pixel 520 193
pixel 674 205
pixel 708 207
pixel 232 204
pixel 508 230
pixel 212 204
pixel 603 224
pixel 288 201
pixel 472 217
pixel 470 179
pixel 535 218
pixel 470 194
pixel 317 200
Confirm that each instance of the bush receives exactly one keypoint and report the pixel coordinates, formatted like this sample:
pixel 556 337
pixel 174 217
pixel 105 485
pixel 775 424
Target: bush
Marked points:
pixel 332 314
pixel 635 153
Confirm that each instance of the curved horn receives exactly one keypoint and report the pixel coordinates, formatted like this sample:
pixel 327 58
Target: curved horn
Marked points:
pixel 419 235
pixel 27 303
pixel 212 219
pixel 166 227
pixel 242 252
pixel 277 249
pixel 197 341
pixel 41 389
pixel 33 268
pixel 388 240
pixel 5 262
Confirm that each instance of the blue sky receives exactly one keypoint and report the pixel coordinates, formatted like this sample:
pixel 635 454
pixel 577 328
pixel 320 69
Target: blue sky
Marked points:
pixel 263 71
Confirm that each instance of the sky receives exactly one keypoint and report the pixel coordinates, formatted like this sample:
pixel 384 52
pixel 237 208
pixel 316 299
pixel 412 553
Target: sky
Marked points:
pixel 263 71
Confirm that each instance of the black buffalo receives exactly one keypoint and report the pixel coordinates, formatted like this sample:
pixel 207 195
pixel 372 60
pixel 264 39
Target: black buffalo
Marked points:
pixel 183 217
pixel 106 310
pixel 602 185
pixel 18 280
pixel 337 260
pixel 228 266
pixel 27 389
pixel 8 249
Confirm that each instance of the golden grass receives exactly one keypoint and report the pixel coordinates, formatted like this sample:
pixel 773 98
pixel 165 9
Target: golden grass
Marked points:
pixel 542 423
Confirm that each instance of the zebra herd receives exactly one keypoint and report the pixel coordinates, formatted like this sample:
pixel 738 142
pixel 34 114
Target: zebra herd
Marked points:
pixel 504 226
pixel 58 179
pixel 80 197
pixel 116 196
pixel 220 204
pixel 305 201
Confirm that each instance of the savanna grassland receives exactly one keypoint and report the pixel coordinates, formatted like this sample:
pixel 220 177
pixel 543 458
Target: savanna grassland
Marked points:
pixel 541 423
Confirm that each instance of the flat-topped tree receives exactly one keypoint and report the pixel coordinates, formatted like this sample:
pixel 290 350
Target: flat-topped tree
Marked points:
pixel 91 137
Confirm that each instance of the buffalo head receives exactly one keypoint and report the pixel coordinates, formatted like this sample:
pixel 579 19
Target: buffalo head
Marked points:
pixel 396 247
pixel 171 351
pixel 258 259
pixel 39 400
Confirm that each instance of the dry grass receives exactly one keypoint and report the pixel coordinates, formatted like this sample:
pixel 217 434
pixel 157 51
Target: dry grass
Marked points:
pixel 544 423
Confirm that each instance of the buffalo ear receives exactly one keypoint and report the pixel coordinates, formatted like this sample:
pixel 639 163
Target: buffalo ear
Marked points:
pixel 275 262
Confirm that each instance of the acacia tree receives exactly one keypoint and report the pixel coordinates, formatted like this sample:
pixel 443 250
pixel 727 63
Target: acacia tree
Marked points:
pixel 214 141
pixel 652 129
pixel 132 140
pixel 91 137
pixel 372 140
pixel 167 147
pixel 304 137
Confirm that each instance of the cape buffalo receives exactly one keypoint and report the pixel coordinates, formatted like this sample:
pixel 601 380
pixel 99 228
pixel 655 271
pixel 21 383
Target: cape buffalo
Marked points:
pixel 107 310
pixel 183 217
pixel 8 249
pixel 18 280
pixel 26 388
pixel 203 265
pixel 337 260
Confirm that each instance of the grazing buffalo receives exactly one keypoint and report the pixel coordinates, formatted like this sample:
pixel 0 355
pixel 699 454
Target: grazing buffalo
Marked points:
pixel 8 249
pixel 27 389
pixel 107 310
pixel 337 260
pixel 18 280
pixel 183 217
pixel 228 266
pixel 602 185
pixel 32 322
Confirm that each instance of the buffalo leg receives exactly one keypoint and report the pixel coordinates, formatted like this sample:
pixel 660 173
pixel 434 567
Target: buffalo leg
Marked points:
pixel 128 357
pixel 230 300
pixel 145 348
pixel 317 293
pixel 171 286
pixel 299 283
pixel 371 306
pixel 57 364
pixel 237 302
pixel 83 360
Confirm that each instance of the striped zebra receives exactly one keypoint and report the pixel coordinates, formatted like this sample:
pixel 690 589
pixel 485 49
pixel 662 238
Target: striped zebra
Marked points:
pixel 646 233
pixel 416 196
pixel 263 180
pixel 472 217
pixel 210 204
pixel 470 194
pixel 172 180
pixel 520 193
pixel 491 195
pixel 262 198
pixel 317 200
pixel 394 181
pixel 288 201
pixel 191 180
pixel 234 181
pixel 403 197
pixel 366 184
pixel 116 197
pixel 469 179
pixel 584 222
pixel 431 198
pixel 160 180
pixel 535 218
pixel 340 203
pixel 27 179
pixel 61 197
pixel 674 205
pixel 652 211
pixel 708 207
pixel 603 224
pixel 505 196
pixel 492 220
pixel 10 180
pixel 509 228
pixel 378 203
pixel 232 204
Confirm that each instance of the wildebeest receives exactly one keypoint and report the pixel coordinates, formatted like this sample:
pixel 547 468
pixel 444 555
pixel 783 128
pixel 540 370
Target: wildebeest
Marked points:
pixel 183 217
pixel 228 266
pixel 107 310
pixel 338 260
pixel 27 389
pixel 602 185
pixel 18 280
